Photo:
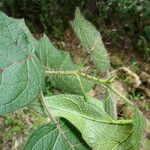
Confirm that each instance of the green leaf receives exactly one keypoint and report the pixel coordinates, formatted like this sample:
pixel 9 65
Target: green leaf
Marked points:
pixel 91 41
pixel 139 125
pixel 50 136
pixel 21 73
pixel 110 104
pixel 60 60
pixel 96 126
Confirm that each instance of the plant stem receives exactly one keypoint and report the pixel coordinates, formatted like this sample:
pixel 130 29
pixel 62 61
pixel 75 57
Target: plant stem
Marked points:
pixel 105 82
pixel 76 73
pixel 119 95
pixel 47 111
pixel 52 117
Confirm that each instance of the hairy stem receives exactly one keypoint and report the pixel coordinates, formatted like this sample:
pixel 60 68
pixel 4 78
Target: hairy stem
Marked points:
pixel 52 117
pixel 105 82
pixel 76 73
pixel 119 95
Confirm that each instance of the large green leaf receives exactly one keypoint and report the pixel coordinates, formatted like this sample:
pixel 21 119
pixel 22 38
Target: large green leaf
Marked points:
pixel 60 60
pixel 52 137
pixel 96 126
pixel 91 41
pixel 138 128
pixel 21 73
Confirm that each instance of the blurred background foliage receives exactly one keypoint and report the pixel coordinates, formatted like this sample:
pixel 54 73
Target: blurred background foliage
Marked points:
pixel 114 18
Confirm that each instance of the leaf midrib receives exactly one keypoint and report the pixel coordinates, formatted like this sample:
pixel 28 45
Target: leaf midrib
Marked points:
pixel 89 118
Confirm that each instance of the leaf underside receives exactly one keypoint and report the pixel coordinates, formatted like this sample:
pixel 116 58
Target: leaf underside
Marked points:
pixel 21 73
pixel 96 126
pixel 50 137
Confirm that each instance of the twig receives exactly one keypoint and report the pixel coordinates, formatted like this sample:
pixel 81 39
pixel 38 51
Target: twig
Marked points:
pixel 105 82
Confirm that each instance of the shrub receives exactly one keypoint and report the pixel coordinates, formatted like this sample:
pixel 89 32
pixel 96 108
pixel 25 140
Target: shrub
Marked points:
pixel 77 121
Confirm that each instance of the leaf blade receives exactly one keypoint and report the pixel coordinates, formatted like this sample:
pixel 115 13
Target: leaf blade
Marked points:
pixel 49 137
pixel 91 41
pixel 110 104
pixel 96 126
pixel 139 125
pixel 21 70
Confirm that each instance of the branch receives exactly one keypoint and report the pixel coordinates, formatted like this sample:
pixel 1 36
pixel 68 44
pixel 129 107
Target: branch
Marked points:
pixel 77 73
pixel 105 82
